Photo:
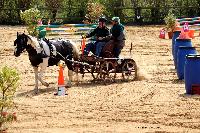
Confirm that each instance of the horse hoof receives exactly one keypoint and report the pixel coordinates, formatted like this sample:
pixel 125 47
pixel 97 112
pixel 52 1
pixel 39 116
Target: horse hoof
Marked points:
pixel 77 84
pixel 46 84
pixel 36 91
pixel 68 86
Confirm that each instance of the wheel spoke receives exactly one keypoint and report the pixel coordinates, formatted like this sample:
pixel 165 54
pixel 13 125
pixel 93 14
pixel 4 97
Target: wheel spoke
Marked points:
pixel 129 70
pixel 108 70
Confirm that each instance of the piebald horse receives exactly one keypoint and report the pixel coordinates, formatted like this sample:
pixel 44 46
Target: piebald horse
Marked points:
pixel 43 53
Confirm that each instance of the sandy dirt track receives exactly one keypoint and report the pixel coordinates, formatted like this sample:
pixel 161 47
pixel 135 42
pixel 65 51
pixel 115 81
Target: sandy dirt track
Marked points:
pixel 157 103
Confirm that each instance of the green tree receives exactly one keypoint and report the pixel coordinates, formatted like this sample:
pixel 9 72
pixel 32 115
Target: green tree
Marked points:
pixel 24 4
pixel 94 11
pixel 31 17
pixel 8 13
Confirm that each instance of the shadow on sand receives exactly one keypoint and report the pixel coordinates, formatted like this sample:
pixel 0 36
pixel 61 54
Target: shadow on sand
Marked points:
pixel 190 96
pixel 92 83
pixel 31 93
pixel 177 81
pixel 84 84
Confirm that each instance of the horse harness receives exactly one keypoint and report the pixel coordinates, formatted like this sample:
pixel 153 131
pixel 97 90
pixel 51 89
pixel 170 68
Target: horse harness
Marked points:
pixel 52 49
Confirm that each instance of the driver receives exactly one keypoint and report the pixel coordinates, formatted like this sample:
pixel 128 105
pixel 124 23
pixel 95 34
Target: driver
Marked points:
pixel 118 36
pixel 100 33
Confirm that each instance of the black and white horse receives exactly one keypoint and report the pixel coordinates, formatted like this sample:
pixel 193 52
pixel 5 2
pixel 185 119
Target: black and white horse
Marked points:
pixel 43 53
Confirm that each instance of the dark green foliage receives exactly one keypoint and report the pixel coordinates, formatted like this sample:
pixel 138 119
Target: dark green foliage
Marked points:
pixel 74 11
pixel 53 5
pixel 10 13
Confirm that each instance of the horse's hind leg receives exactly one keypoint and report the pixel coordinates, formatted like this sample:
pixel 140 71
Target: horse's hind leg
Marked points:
pixel 77 79
pixel 36 79
pixel 70 68
pixel 70 78
pixel 70 74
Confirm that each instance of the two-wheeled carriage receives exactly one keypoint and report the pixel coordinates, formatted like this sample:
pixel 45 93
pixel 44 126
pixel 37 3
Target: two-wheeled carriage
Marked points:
pixel 107 67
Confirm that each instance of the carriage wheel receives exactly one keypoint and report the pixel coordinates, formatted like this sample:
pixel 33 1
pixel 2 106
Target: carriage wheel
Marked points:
pixel 95 71
pixel 107 71
pixel 129 70
pixel 95 74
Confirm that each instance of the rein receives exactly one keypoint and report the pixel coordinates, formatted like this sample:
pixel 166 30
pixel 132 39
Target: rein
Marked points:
pixel 75 61
pixel 24 49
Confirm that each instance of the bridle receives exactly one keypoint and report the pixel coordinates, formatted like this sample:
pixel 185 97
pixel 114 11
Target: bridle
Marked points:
pixel 23 46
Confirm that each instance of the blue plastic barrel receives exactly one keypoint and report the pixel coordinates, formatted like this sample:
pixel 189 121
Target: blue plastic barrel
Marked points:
pixel 191 72
pixel 175 35
pixel 181 57
pixel 180 42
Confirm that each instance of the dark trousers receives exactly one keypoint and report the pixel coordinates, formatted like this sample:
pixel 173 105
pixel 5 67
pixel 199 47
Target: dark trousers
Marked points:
pixel 94 47
pixel 89 47
pixel 99 47
pixel 118 47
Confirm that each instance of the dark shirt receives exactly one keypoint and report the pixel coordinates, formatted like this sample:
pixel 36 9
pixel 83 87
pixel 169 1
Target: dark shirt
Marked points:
pixel 99 32
pixel 117 31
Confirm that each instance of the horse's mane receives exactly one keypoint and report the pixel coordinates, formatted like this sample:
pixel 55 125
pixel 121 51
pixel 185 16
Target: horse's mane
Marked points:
pixel 75 50
pixel 33 41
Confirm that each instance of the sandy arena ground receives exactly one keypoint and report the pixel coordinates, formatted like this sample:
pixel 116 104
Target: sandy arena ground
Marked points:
pixel 157 103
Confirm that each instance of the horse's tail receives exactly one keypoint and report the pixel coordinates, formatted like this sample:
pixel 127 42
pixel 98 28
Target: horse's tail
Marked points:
pixel 76 55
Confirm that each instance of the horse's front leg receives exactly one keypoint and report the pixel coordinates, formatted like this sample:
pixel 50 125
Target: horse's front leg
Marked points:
pixel 43 67
pixel 36 79
pixel 40 77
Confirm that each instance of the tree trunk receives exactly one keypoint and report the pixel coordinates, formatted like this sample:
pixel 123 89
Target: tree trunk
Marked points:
pixel 137 12
pixel 24 4
pixel 155 12
pixel 117 11
pixel 54 12
pixel 1 3
pixel 69 8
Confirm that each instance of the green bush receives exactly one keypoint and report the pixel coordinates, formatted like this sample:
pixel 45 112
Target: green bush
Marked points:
pixel 8 84
pixel 170 21
pixel 31 17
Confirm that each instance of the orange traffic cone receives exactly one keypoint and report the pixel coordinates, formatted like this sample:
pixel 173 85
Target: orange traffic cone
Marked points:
pixel 83 45
pixel 61 84
pixel 60 76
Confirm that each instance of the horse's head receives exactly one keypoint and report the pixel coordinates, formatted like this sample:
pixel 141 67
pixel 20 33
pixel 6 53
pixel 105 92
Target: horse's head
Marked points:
pixel 20 44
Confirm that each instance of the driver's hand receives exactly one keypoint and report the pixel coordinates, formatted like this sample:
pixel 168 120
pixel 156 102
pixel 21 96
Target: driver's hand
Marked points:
pixel 100 38
pixel 83 36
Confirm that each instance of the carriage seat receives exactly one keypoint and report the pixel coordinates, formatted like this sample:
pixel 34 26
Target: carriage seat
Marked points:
pixel 108 50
